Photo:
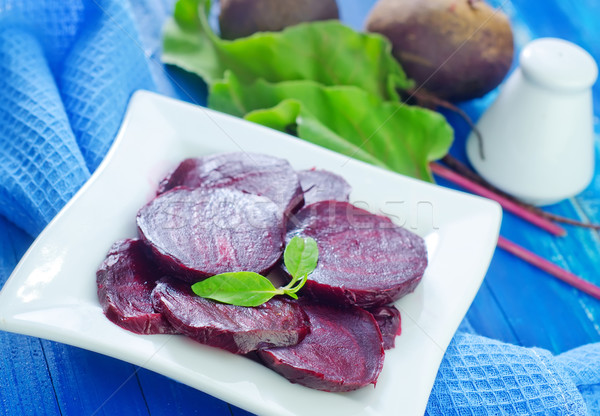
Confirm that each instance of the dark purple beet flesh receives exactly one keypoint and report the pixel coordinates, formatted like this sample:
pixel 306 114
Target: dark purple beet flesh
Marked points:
pixel 388 319
pixel 125 281
pixel 364 259
pixel 342 352
pixel 252 173
pixel 202 232
pixel 321 185
pixel 237 329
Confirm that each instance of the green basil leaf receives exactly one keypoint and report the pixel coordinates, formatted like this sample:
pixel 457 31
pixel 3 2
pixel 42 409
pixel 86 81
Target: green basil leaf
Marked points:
pixel 239 288
pixel 300 256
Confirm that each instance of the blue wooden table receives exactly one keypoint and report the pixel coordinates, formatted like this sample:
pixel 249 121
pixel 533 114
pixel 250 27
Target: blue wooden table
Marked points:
pixel 516 303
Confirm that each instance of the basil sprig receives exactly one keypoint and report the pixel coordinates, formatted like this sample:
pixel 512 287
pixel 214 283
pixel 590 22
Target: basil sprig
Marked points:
pixel 251 289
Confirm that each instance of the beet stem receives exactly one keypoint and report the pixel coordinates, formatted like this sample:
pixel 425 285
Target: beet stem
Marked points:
pixel 464 170
pixel 549 267
pixel 507 204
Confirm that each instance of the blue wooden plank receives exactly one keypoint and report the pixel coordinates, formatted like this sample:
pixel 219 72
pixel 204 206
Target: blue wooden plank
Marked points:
pixel 544 311
pixel 588 203
pixel 486 316
pixel 25 385
pixel 236 411
pixel 87 383
pixel 589 200
pixel 168 397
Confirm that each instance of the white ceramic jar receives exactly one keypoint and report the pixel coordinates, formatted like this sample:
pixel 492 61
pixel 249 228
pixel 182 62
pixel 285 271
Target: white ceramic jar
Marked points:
pixel 538 136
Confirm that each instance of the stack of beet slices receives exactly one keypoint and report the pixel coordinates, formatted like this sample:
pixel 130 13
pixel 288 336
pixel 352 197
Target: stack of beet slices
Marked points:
pixel 235 212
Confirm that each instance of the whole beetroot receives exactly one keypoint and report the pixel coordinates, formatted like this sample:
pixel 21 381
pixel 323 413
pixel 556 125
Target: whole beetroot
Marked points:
pixel 241 18
pixel 455 49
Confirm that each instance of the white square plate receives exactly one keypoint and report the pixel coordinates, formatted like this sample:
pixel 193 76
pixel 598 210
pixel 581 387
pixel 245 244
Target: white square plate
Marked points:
pixel 52 292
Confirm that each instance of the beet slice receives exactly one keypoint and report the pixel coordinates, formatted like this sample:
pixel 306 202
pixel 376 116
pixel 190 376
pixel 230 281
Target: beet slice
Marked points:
pixel 125 281
pixel 253 173
pixel 389 322
pixel 237 329
pixel 202 232
pixel 322 185
pixel 364 259
pixel 342 352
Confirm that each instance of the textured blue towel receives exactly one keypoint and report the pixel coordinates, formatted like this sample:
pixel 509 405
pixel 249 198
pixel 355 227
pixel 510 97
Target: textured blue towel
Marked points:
pixel 67 70
pixel 483 377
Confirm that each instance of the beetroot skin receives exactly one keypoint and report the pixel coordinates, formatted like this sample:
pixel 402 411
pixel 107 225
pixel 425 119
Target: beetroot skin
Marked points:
pixel 125 281
pixel 252 173
pixel 364 259
pixel 237 329
pixel 202 232
pixel 343 351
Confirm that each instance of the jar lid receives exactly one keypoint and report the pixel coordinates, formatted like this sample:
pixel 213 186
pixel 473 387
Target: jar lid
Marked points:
pixel 558 64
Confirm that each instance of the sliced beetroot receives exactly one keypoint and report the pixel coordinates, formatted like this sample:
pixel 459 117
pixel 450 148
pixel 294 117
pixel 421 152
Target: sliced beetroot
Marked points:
pixel 125 281
pixel 342 352
pixel 322 185
pixel 364 259
pixel 202 232
pixel 389 321
pixel 237 329
pixel 252 173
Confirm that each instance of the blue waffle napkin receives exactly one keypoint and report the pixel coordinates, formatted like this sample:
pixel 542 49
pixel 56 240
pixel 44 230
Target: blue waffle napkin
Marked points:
pixel 67 70
pixel 483 377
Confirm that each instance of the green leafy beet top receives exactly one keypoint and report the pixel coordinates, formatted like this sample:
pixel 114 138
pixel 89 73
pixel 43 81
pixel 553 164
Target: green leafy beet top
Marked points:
pixel 327 83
